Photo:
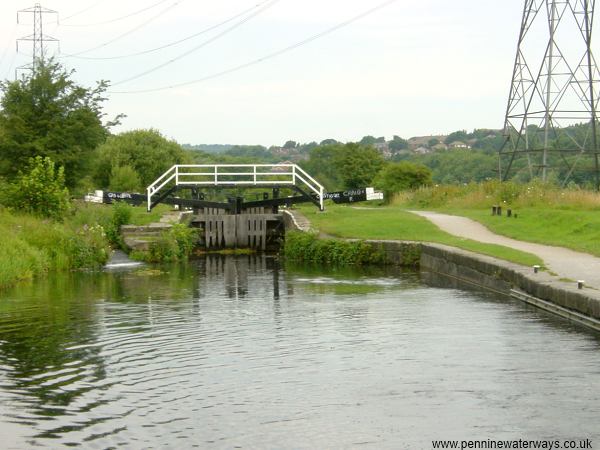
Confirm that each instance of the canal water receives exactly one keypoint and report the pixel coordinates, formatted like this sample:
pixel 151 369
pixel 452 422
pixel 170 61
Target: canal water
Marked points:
pixel 239 352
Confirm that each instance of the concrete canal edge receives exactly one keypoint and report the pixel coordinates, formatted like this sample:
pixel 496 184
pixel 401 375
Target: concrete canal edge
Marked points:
pixel 539 289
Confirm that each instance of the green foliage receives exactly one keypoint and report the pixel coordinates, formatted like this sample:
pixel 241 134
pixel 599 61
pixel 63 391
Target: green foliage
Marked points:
pixel 459 166
pixel 370 140
pixel 121 215
pixel 175 244
pixel 397 224
pixel 40 190
pixel 32 246
pixel 147 152
pixel 397 144
pixel 457 136
pixel 19 261
pixel 124 179
pixel 49 115
pixel 307 247
pixel 344 166
pixel 396 177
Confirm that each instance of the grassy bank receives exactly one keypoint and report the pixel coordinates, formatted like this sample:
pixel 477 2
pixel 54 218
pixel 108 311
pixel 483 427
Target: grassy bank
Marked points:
pixel 307 247
pixel 31 246
pixel 546 214
pixel 395 224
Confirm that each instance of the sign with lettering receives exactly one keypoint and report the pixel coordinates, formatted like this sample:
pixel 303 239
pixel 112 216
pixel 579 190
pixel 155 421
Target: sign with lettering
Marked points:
pixel 353 195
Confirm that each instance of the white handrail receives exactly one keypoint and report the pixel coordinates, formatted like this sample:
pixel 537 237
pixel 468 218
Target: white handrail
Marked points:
pixel 238 175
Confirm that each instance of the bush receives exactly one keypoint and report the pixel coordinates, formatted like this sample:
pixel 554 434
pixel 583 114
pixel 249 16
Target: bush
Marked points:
pixel 396 177
pixel 176 244
pixel 40 190
pixel 124 179
pixel 121 215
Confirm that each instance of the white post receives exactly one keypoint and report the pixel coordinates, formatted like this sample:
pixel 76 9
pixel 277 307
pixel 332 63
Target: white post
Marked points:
pixel 149 199
pixel 216 176
pixel 254 175
pixel 176 175
pixel 294 173
pixel 321 198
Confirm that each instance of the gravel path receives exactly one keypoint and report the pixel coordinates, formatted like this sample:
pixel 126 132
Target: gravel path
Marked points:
pixel 564 262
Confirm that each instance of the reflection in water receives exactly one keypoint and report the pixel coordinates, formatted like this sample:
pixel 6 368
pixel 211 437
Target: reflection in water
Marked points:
pixel 239 351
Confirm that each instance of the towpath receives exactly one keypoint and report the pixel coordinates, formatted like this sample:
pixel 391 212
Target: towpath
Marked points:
pixel 563 262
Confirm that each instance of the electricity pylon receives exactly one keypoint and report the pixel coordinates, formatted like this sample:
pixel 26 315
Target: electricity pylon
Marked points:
pixel 38 38
pixel 551 121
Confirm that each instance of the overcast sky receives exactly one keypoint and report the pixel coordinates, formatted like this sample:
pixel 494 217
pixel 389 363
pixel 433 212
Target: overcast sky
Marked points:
pixel 410 68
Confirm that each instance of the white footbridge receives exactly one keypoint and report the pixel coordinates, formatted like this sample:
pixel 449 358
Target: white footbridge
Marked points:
pixel 235 175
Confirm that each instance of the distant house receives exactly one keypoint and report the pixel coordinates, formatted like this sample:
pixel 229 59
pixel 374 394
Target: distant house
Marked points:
pixel 423 141
pixel 440 147
pixel 422 150
pixel 383 148
pixel 458 144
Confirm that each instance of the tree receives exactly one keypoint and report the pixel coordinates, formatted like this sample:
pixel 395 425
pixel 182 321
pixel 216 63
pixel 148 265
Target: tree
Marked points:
pixel 39 190
pixel 368 140
pixel 344 166
pixel 290 144
pixel 433 142
pixel 328 142
pixel 358 165
pixel 457 136
pixel 147 152
pixel 397 144
pixel 49 115
pixel 396 177
pixel 124 179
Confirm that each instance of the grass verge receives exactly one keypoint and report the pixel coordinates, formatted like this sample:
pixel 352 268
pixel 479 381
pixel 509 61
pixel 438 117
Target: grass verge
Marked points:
pixel 395 224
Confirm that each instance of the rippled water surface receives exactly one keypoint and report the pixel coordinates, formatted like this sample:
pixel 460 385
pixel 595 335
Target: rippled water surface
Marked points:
pixel 240 353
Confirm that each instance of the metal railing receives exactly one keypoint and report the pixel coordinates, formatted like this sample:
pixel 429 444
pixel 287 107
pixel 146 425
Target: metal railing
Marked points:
pixel 248 175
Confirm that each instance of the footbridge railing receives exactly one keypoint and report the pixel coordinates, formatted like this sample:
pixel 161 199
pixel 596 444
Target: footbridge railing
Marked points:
pixel 235 175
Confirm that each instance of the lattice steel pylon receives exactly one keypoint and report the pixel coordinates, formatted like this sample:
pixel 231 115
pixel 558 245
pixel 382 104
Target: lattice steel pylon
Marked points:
pixel 38 38
pixel 551 121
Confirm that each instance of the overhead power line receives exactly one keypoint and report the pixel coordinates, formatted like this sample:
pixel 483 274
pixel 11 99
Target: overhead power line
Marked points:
pixel 203 44
pixel 117 19
pixel 266 57
pixel 127 33
pixel 179 41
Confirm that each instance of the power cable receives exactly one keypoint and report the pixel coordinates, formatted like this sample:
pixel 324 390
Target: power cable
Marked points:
pixel 127 33
pixel 12 36
pixel 171 44
pixel 266 57
pixel 117 19
pixel 203 44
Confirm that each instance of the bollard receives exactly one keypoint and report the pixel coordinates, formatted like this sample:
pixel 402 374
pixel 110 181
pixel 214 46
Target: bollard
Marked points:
pixel 508 212
pixel 536 268
pixel 580 284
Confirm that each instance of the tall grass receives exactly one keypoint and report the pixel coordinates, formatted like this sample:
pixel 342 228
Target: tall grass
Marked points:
pixel 509 194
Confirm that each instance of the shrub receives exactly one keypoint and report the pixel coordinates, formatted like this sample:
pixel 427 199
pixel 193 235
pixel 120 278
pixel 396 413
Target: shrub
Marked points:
pixel 307 247
pixel 173 245
pixel 40 190
pixel 121 215
pixel 124 179
pixel 396 177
